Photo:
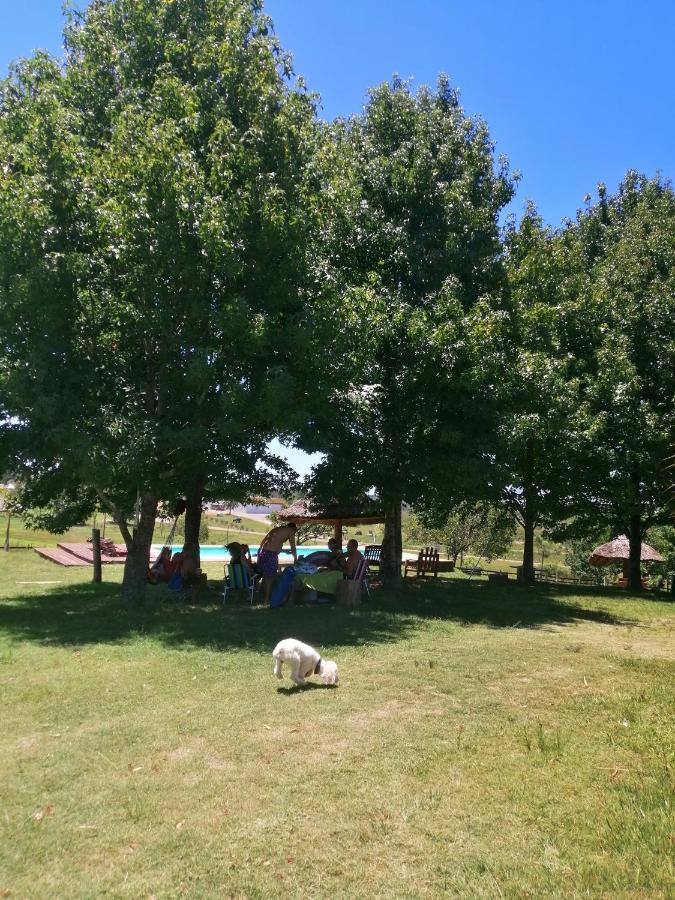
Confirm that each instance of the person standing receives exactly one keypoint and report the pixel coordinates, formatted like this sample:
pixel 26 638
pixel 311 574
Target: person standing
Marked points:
pixel 268 555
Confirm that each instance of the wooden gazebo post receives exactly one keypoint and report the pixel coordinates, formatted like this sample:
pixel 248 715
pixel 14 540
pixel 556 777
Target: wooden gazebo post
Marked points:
pixel 337 532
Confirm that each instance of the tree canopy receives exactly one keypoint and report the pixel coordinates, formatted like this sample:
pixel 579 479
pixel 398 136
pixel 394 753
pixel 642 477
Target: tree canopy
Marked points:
pixel 155 201
pixel 628 242
pixel 191 263
pixel 410 262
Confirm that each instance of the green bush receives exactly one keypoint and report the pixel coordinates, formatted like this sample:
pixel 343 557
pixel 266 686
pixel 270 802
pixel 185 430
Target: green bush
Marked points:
pixel 577 553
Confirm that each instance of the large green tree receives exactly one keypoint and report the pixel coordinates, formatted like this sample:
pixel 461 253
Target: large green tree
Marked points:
pixel 155 203
pixel 410 255
pixel 628 242
pixel 485 530
pixel 539 434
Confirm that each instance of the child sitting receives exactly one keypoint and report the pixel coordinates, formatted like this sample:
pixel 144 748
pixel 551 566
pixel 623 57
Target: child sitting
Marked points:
pixel 239 570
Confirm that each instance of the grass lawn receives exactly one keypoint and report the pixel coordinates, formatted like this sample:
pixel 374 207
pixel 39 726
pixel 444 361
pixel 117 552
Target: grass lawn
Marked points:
pixel 219 523
pixel 219 526
pixel 485 741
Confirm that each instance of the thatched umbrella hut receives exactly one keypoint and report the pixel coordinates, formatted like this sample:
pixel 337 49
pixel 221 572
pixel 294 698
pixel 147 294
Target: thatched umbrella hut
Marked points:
pixel 335 514
pixel 618 550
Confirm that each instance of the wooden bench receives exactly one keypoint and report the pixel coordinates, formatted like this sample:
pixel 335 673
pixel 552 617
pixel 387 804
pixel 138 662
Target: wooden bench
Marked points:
pixel 426 562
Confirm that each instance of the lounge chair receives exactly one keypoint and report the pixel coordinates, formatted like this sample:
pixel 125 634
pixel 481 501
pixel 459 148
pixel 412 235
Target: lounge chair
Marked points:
pixel 361 575
pixel 238 578
pixel 373 553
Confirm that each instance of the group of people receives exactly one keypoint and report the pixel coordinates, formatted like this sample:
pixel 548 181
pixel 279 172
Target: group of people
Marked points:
pixel 340 565
pixel 181 570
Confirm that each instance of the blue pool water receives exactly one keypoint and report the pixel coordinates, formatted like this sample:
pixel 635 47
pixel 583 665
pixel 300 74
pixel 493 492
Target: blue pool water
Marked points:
pixel 214 553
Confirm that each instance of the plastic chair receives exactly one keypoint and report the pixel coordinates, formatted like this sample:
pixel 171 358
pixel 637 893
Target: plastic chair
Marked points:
pixel 361 574
pixel 238 578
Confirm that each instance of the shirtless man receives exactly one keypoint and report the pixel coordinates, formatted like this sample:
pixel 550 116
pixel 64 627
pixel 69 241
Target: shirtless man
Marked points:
pixel 268 554
pixel 354 557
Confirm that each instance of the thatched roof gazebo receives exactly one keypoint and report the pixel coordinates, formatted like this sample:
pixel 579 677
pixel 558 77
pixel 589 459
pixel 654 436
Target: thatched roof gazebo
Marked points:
pixel 618 550
pixel 336 514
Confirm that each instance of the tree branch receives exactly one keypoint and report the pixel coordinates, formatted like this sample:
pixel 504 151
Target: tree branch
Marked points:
pixel 119 519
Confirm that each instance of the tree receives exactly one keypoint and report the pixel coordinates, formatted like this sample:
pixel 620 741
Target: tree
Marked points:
pixel 407 259
pixel 578 552
pixel 155 203
pixel 484 530
pixel 663 539
pixel 628 242
pixel 538 433
pixel 10 504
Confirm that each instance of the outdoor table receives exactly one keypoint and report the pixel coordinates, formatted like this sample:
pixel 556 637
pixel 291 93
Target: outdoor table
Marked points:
pixel 325 581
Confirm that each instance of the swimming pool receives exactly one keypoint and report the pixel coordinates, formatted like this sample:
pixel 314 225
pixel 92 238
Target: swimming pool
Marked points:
pixel 215 553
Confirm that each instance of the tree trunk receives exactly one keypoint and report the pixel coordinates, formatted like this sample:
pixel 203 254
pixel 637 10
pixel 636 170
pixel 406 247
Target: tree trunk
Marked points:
pixel 392 545
pixel 9 519
pixel 635 552
pixel 527 571
pixel 193 515
pixel 138 551
pixel 96 553
pixel 529 515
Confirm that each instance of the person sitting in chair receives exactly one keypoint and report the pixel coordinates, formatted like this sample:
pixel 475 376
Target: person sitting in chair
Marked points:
pixel 336 561
pixel 354 557
pixel 162 568
pixel 246 559
pixel 240 569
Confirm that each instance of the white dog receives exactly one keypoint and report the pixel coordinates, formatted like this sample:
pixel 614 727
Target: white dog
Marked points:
pixel 304 661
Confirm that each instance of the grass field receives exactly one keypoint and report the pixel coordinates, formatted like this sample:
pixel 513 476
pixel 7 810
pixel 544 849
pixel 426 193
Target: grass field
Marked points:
pixel 223 528
pixel 219 526
pixel 484 741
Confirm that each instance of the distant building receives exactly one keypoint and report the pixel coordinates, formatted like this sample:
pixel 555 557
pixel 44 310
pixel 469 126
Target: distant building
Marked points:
pixel 262 506
pixel 265 507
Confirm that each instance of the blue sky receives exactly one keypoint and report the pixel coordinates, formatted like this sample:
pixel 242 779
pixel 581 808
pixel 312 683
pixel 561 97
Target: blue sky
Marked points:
pixel 574 92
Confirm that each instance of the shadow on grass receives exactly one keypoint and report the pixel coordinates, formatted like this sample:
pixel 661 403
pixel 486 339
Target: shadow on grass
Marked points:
pixel 86 613
pixel 310 686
